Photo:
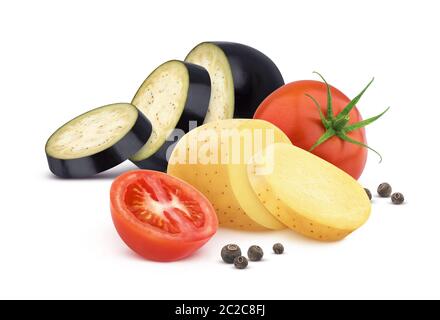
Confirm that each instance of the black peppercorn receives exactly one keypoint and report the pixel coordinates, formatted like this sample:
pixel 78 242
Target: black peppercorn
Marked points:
pixel 255 253
pixel 384 190
pixel 230 252
pixel 240 262
pixel 368 193
pixel 397 198
pixel 278 248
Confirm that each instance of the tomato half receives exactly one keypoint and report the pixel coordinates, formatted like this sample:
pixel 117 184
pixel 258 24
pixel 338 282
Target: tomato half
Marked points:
pixel 293 110
pixel 161 217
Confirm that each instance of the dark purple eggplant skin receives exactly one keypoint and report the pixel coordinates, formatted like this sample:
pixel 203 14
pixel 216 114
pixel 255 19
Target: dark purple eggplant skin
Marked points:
pixel 119 152
pixel 196 106
pixel 254 74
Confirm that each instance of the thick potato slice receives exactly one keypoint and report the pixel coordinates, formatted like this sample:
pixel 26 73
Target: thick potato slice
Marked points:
pixel 308 194
pixel 258 134
pixel 218 169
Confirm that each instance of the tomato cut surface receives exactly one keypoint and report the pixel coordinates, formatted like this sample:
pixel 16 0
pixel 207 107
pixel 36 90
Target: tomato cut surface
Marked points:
pixel 161 217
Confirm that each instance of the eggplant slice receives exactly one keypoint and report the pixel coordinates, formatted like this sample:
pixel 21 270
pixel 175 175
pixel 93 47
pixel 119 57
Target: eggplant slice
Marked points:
pixel 175 97
pixel 241 78
pixel 97 140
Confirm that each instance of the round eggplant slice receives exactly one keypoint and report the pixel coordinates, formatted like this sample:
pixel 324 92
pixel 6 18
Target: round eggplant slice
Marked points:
pixel 241 78
pixel 97 140
pixel 175 97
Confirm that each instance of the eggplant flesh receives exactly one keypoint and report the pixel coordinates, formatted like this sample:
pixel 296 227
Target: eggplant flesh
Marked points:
pixel 214 60
pixel 241 78
pixel 97 140
pixel 175 97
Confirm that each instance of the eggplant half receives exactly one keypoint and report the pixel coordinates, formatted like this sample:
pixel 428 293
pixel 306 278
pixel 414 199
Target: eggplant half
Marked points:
pixel 241 78
pixel 175 98
pixel 97 140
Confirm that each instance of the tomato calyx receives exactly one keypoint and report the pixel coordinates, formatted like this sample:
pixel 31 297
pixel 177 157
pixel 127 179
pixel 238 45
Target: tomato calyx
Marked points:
pixel 338 125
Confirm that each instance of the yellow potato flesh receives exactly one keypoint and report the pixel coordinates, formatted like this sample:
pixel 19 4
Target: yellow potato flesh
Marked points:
pixel 259 134
pixel 308 194
pixel 219 171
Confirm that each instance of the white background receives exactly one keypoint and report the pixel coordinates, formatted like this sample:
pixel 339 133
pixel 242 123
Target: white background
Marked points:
pixel 60 59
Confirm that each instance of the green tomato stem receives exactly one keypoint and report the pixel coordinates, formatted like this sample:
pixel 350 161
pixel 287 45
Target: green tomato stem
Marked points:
pixel 329 99
pixel 321 115
pixel 353 102
pixel 327 135
pixel 338 125
pixel 365 122
pixel 348 139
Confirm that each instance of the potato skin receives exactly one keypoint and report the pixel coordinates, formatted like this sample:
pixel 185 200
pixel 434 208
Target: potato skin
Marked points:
pixel 226 184
pixel 212 179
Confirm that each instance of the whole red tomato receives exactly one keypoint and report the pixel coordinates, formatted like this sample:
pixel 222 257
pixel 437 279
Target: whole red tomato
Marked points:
pixel 321 119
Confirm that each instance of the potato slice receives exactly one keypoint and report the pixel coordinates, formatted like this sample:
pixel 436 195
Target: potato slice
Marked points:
pixel 308 194
pixel 218 169
pixel 259 134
